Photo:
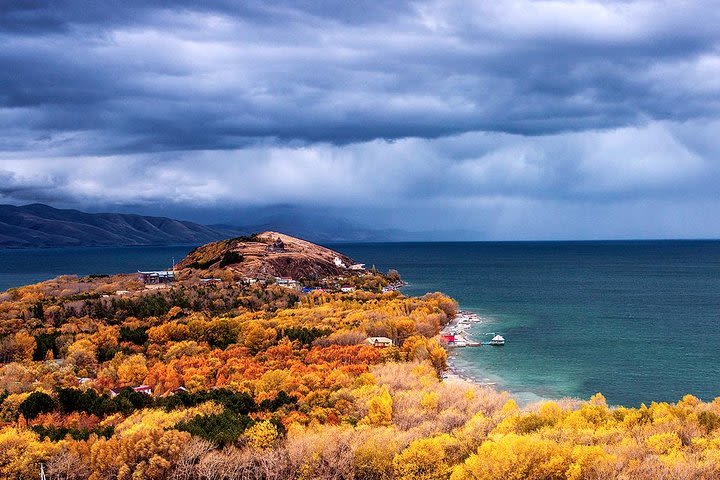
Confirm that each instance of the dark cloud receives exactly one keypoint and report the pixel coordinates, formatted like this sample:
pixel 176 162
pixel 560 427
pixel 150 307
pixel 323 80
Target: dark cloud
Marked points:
pixel 218 75
pixel 510 108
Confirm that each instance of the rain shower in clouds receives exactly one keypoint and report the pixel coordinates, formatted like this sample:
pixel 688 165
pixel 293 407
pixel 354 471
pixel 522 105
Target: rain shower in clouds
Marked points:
pixel 516 119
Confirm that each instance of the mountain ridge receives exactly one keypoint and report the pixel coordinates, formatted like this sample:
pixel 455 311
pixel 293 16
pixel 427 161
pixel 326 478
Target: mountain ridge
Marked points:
pixel 42 226
pixel 39 225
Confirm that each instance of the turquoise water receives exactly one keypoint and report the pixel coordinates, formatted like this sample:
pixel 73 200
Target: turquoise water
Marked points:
pixel 637 321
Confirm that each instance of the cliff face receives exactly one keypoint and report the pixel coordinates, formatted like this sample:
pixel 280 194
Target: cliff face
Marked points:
pixel 269 254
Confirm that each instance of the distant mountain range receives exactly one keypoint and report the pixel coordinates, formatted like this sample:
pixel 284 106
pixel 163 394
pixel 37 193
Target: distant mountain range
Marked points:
pixel 39 225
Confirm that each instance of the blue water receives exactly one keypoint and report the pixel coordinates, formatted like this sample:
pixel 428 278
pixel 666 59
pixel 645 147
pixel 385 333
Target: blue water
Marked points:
pixel 24 266
pixel 637 321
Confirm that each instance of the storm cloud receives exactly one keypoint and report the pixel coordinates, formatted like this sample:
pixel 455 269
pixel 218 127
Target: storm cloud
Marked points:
pixel 516 119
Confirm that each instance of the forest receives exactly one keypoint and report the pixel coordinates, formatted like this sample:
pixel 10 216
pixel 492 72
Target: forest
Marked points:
pixel 102 379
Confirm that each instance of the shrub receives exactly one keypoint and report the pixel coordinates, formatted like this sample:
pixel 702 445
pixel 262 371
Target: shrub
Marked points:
pixel 222 429
pixel 35 404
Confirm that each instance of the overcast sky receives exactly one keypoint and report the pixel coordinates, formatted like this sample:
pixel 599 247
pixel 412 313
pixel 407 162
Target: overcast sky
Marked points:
pixel 514 119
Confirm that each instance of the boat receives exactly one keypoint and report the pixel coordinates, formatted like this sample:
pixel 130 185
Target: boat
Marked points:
pixel 497 341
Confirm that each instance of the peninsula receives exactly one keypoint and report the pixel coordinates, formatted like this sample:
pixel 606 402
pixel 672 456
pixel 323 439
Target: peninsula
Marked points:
pixel 269 357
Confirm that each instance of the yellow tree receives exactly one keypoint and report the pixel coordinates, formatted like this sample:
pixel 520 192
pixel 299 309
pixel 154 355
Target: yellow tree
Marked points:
pixel 422 348
pixel 423 459
pixel 82 354
pixel 25 346
pixel 142 453
pixel 516 457
pixel 132 370
pixel 380 409
pixel 256 338
pixel 262 435
pixel 21 452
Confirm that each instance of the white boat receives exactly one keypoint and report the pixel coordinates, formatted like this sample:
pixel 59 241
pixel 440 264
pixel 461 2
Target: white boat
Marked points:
pixel 497 340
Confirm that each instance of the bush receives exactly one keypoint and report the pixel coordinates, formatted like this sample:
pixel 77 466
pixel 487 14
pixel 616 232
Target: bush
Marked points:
pixel 223 429
pixel 230 258
pixel 55 434
pixel 281 399
pixel 35 404
pixel 44 343
pixel 75 400
pixel 304 335
pixel 240 403
pixel 138 336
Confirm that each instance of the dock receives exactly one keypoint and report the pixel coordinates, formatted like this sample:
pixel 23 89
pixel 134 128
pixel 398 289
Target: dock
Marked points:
pixel 456 336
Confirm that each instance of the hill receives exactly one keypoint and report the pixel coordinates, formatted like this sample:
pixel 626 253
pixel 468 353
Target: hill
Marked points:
pixel 40 225
pixel 269 254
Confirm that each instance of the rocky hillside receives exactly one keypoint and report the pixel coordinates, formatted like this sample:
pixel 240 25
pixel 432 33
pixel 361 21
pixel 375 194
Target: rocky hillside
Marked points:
pixel 269 254
pixel 39 225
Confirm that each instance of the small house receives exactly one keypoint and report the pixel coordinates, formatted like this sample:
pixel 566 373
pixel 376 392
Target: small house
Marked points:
pixel 287 282
pixel 379 342
pixel 146 389
pixel 347 289
pixel 357 266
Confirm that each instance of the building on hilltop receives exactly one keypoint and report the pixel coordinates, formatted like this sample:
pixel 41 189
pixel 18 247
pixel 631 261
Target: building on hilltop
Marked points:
pixel 278 246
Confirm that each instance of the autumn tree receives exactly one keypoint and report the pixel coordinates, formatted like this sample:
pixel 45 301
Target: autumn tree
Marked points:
pixel 21 452
pixel 380 409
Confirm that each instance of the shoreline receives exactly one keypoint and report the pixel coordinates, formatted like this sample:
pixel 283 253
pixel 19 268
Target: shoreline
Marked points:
pixel 459 327
pixel 463 321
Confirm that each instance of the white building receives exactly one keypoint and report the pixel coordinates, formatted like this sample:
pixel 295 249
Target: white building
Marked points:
pixel 287 282
pixel 379 342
